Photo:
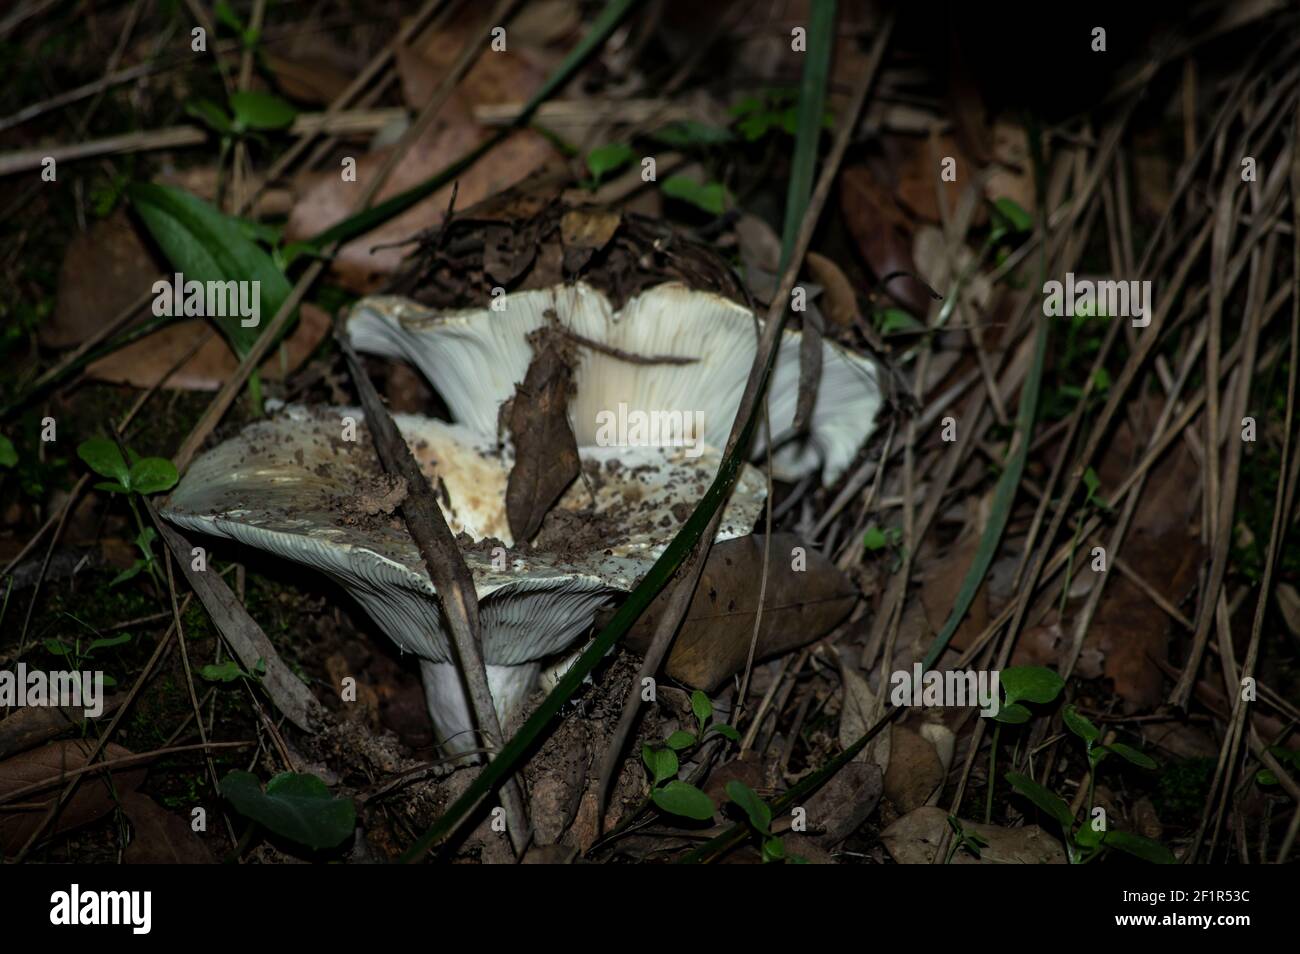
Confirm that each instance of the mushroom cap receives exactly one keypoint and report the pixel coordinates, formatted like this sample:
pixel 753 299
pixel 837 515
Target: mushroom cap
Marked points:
pixel 476 357
pixel 291 485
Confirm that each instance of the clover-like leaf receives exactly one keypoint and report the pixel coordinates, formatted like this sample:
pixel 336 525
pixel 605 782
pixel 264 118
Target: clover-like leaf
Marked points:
pixel 662 763
pixel 1139 847
pixel 104 458
pixel 255 110
pixel 760 815
pixel 1031 683
pixel 1079 725
pixel 1130 754
pixel 680 740
pixel 607 159
pixel 710 197
pixel 294 806
pixel 1013 714
pixel 682 798
pixel 151 475
pixel 8 456
pixel 1053 804
pixel 701 706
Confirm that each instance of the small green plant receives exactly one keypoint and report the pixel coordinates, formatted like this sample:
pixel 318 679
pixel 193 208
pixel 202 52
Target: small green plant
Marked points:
pixel 1087 841
pixel 961 838
pixel 78 653
pixel 142 476
pixel 231 671
pixel 294 806
pixel 663 762
pixel 759 815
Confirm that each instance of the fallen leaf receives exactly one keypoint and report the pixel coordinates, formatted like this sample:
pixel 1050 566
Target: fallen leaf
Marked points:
pixel 546 451
pixel 839 807
pixel 105 270
pixel 585 232
pixel 713 642
pixel 161 837
pixel 914 840
pixel 915 770
pixel 859 713
pixel 142 363
pixel 838 296
pixel 324 199
pixel 883 233
pixel 93 799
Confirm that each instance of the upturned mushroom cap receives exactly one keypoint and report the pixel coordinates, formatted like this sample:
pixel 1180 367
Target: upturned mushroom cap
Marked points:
pixel 476 357
pixel 294 486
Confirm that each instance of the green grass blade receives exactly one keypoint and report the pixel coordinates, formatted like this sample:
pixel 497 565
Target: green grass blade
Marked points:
pixel 1004 495
pixel 654 581
pixel 812 108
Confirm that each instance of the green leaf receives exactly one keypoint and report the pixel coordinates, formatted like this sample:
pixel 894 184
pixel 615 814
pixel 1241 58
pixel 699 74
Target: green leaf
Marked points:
pixel 1130 754
pixel 227 671
pixel 760 815
pixel 297 807
pixel 1087 836
pixel 1013 714
pixel 210 114
pixel 254 110
pixel 129 573
pixel 601 162
pixel 680 740
pixel 112 486
pixel 874 539
pixel 1079 725
pixel 682 798
pixel 724 730
pixel 712 198
pixel 1139 847
pixel 1044 799
pixel 106 642
pixel 1016 218
pixel 1091 481
pixel 208 246
pixel 149 475
pixel 57 648
pixel 103 457
pixel 687 133
pixel 773 850
pixel 701 706
pixel 8 456
pixel 890 320
pixel 662 763
pixel 1031 683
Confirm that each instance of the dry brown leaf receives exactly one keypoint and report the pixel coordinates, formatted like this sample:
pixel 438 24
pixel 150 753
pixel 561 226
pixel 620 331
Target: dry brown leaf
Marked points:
pixel 915 770
pixel 161 837
pixel 93 798
pixel 585 232
pixel 713 642
pixel 141 363
pixel 841 302
pixel 914 840
pixel 859 713
pixel 546 451
pixel 883 234
pixel 839 807
pixel 105 270
pixel 324 199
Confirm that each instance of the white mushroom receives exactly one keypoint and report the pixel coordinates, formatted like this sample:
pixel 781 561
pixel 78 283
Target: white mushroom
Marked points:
pixel 476 357
pixel 296 487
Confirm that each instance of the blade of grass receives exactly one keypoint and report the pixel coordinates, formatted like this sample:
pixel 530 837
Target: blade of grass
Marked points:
pixel 687 538
pixel 821 39
pixel 812 109
pixel 1004 496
